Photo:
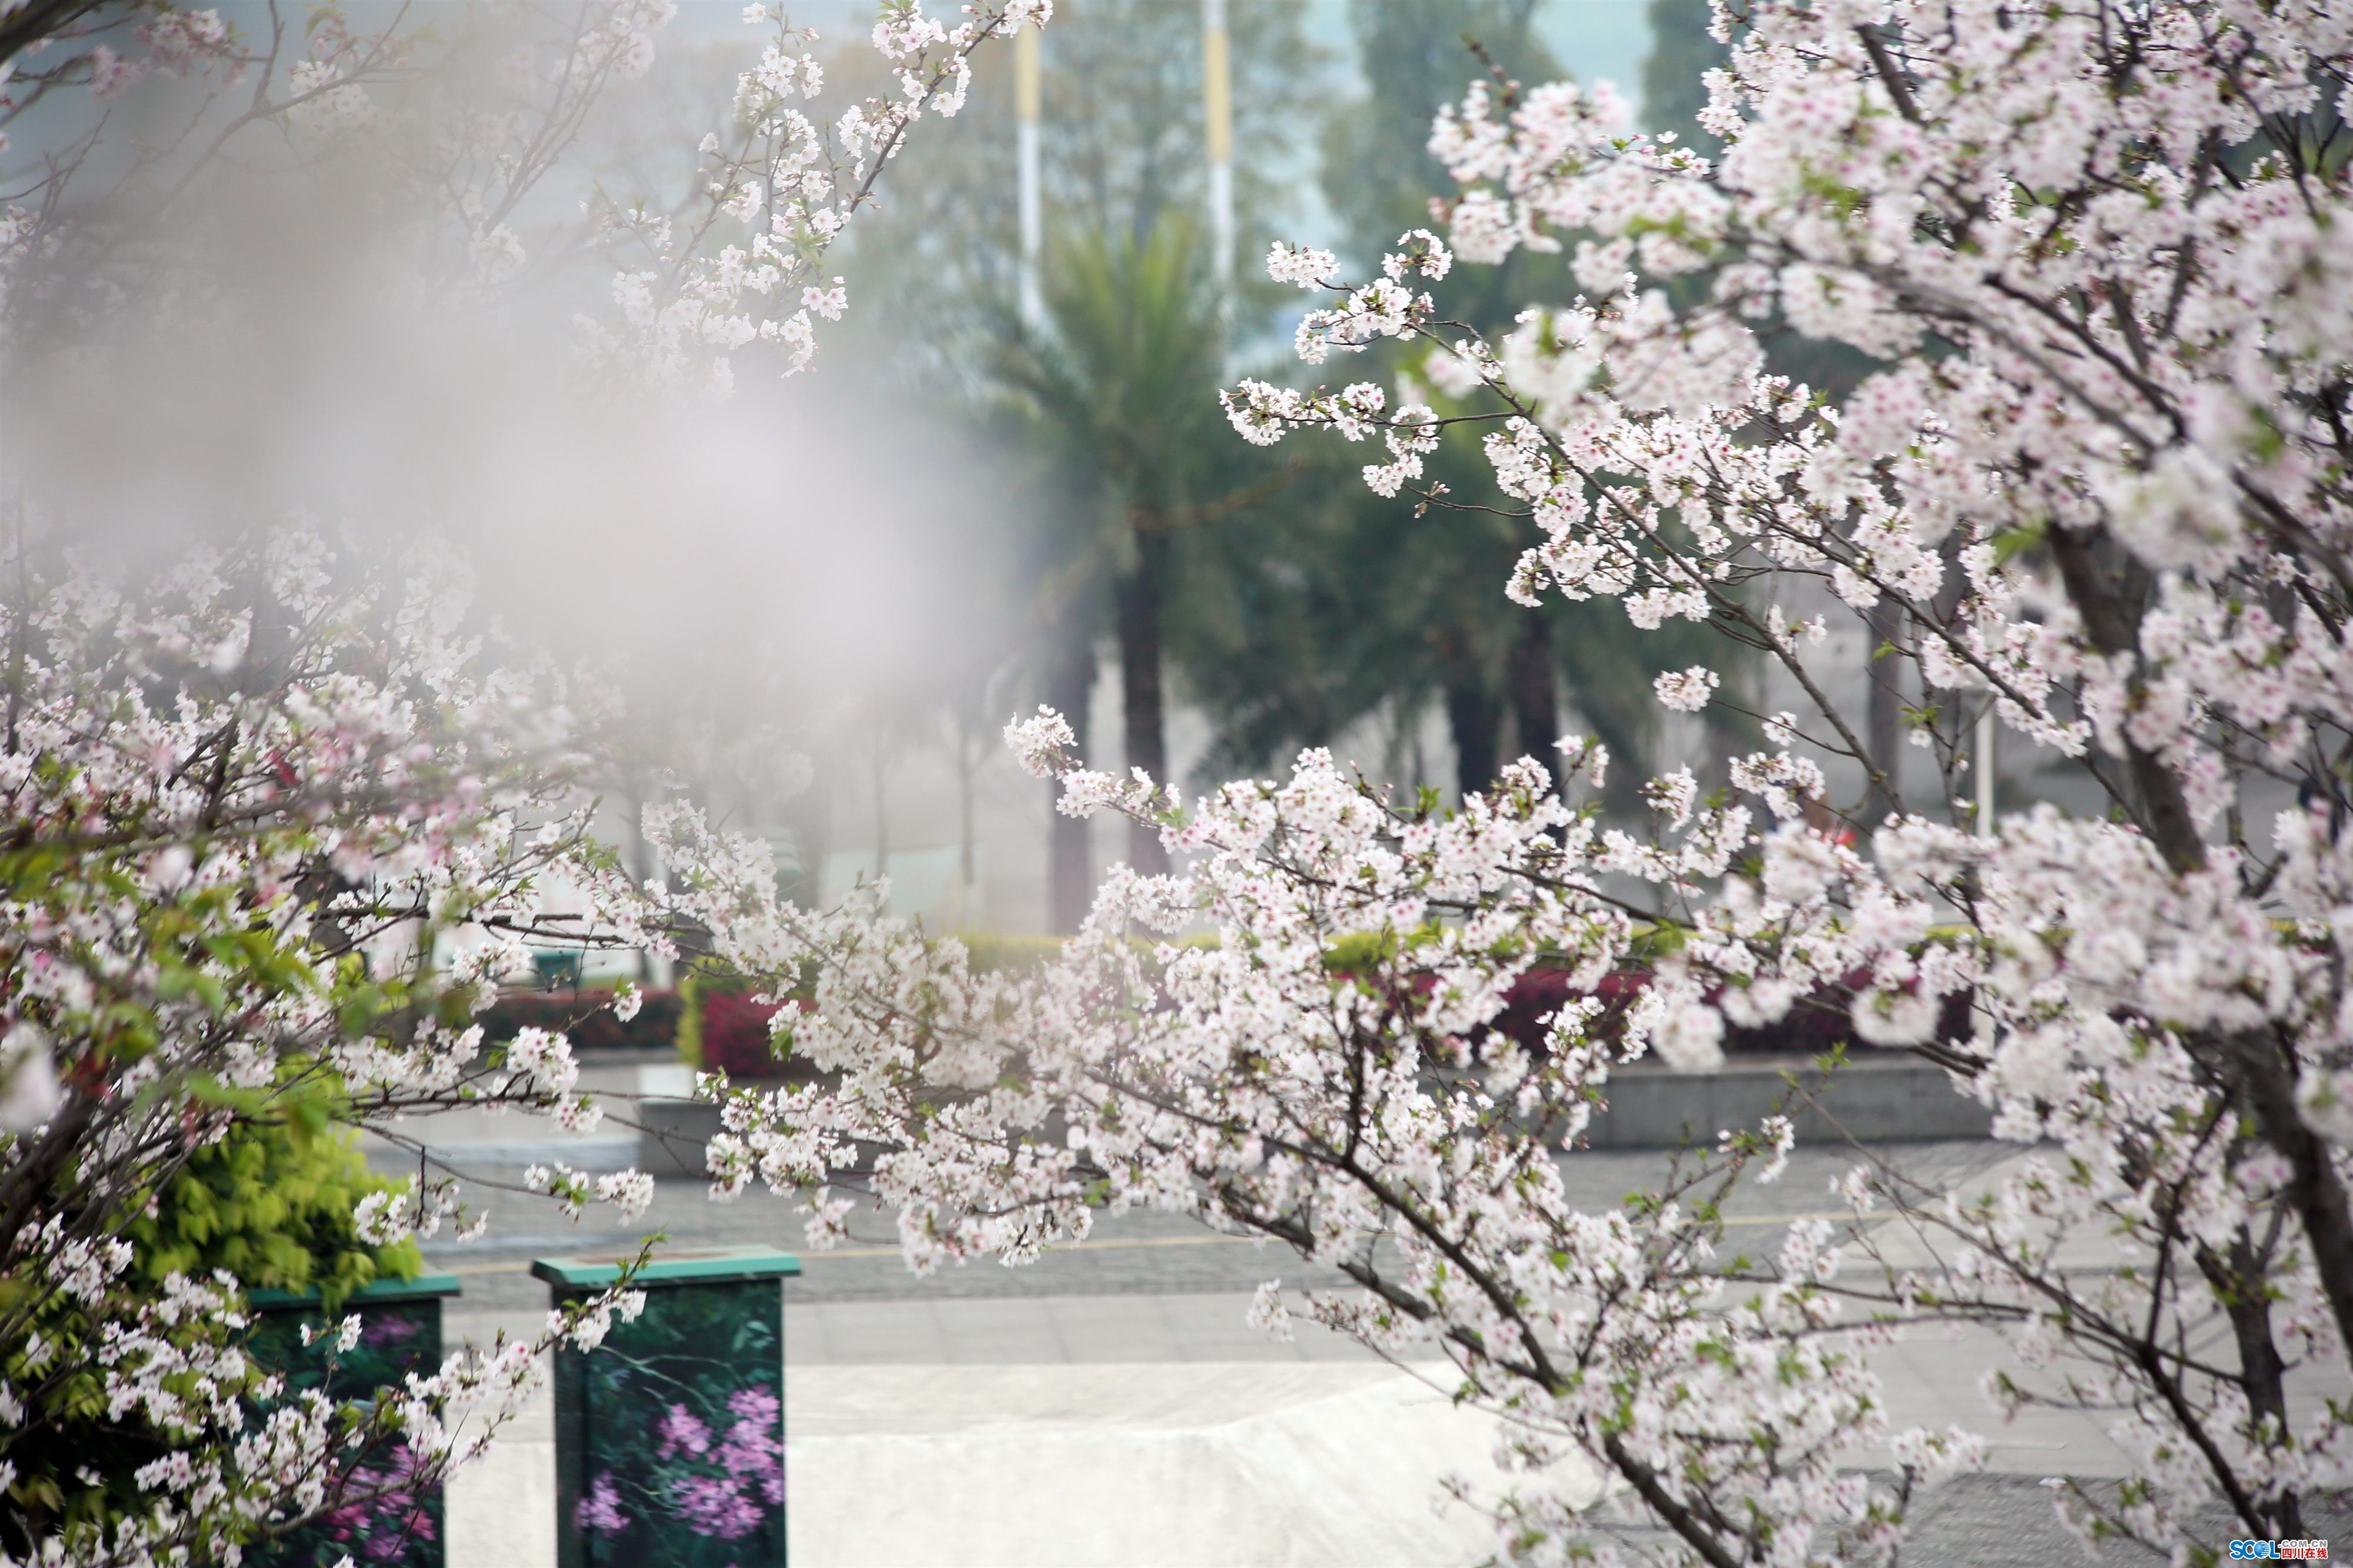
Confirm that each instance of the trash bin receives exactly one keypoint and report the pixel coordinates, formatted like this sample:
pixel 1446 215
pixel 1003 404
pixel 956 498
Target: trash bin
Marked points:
pixel 400 1333
pixel 669 1437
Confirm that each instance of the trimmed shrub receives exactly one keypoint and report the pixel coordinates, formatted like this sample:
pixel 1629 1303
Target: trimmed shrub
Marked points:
pixel 735 1034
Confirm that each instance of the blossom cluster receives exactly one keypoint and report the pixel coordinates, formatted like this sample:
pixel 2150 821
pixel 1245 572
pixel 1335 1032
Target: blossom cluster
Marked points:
pixel 278 830
pixel 241 1457
pixel 793 183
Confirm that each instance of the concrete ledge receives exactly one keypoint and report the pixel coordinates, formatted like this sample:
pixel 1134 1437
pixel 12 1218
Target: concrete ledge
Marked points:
pixel 672 1134
pixel 1880 1099
pixel 1193 1466
pixel 1884 1099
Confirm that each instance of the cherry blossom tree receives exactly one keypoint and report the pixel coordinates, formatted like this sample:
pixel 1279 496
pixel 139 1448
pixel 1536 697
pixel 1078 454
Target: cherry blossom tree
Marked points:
pixel 2096 252
pixel 278 823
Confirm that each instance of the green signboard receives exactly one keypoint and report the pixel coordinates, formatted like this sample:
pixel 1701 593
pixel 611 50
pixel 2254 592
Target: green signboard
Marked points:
pixel 390 1524
pixel 669 1437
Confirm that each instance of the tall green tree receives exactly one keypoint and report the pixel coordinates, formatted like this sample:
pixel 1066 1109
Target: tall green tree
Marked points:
pixel 1122 457
pixel 1674 91
pixel 1674 73
pixel 1431 625
pixel 1123 387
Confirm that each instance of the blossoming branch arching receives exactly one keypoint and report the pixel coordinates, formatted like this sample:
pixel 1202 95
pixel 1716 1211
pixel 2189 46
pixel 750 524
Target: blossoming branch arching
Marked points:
pixel 2096 251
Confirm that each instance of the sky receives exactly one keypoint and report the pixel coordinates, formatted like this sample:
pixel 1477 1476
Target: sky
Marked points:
pixel 1598 39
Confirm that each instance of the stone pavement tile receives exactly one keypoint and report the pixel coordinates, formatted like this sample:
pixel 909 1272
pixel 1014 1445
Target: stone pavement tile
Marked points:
pixel 1930 1378
pixel 2004 1519
pixel 1186 1466
pixel 1217 1328
pixel 809 1337
pixel 994 1333
pixel 913 1399
pixel 1316 1343
pixel 1116 1328
pixel 880 1331
pixel 1135 1253
pixel 1043 1330
pixel 502 1509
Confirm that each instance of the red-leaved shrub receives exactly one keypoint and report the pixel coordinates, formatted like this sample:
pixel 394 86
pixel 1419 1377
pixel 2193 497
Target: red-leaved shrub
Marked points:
pixel 736 1036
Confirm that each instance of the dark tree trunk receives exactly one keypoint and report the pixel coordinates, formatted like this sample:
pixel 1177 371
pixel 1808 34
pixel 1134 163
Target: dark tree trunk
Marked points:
pixel 1884 714
pixel 1476 721
pixel 809 818
pixel 1536 693
pixel 1474 711
pixel 968 861
pixel 1070 882
pixel 1138 595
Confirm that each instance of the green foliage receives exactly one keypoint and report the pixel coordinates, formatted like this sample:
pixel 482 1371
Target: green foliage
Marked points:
pixel 720 1030
pixel 1360 952
pixel 689 1018
pixel 1300 640
pixel 271 1202
pixel 992 950
pixel 1378 174
pixel 585 1017
pixel 1120 150
pixel 72 1438
pixel 1127 386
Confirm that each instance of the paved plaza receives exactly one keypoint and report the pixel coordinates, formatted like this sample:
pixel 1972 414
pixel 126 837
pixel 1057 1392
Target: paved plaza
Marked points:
pixel 1109 1405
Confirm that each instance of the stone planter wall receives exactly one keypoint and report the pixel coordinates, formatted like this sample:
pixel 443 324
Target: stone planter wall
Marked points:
pixel 1877 1099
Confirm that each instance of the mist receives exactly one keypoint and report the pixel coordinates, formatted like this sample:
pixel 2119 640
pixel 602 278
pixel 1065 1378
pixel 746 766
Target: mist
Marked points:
pixel 781 586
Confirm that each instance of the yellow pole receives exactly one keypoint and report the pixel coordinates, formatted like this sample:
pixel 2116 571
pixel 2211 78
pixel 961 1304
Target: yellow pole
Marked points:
pixel 1217 115
pixel 1026 94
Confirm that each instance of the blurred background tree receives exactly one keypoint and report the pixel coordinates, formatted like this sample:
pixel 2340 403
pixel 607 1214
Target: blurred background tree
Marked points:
pixel 1432 623
pixel 1121 466
pixel 1674 75
pixel 1276 598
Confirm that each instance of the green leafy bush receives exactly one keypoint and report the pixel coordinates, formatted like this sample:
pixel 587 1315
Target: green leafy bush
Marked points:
pixel 271 1202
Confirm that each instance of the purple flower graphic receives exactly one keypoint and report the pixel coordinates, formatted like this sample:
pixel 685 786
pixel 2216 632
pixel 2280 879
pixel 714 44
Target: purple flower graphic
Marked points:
pixel 600 1510
pixel 712 1505
pixel 750 1451
pixel 381 1526
pixel 686 1462
pixel 681 1431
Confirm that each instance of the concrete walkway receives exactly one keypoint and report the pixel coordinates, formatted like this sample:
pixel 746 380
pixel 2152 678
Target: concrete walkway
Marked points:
pixel 1150 1432
pixel 1111 1406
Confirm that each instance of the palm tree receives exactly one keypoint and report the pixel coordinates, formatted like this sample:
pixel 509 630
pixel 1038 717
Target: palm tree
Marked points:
pixel 1122 388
